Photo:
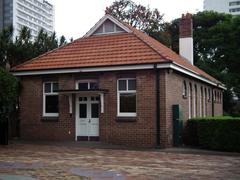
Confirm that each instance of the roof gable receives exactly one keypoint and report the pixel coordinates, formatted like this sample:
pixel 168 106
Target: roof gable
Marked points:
pixel 107 25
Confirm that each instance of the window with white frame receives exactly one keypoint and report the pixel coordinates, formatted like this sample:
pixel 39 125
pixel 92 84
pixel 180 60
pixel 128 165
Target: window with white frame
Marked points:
pixel 126 97
pixel 108 27
pixel 85 85
pixel 50 99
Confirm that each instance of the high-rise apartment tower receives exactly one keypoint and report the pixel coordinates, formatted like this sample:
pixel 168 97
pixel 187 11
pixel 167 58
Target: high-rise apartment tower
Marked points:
pixel 34 14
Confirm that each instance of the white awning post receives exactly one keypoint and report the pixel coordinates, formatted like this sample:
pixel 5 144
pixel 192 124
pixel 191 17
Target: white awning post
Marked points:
pixel 102 102
pixel 70 103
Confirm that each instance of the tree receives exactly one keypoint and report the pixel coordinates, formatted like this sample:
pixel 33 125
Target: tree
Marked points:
pixel 216 48
pixel 142 18
pixel 22 48
pixel 8 93
pixel 8 99
pixel 25 47
pixel 5 45
pixel 62 41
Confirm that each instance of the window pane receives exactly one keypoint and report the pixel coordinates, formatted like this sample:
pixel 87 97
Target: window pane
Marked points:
pixel 109 26
pixel 119 29
pixel 132 84
pixel 99 30
pixel 128 102
pixel 93 85
pixel 83 86
pixel 94 110
pixel 55 87
pixel 122 85
pixel 47 87
pixel 52 104
pixel 83 110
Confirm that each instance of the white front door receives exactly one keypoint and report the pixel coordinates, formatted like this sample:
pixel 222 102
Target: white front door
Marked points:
pixel 87 117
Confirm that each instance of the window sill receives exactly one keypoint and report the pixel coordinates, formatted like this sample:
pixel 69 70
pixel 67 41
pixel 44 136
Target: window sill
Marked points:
pixel 49 119
pixel 126 119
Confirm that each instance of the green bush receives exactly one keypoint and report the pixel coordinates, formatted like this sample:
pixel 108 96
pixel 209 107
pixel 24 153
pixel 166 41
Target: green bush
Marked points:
pixel 220 133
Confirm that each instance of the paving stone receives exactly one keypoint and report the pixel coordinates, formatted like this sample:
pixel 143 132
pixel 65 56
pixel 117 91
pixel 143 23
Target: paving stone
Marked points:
pixel 64 161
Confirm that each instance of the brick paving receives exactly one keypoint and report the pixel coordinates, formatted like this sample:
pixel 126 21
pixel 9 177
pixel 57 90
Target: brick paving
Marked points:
pixel 43 161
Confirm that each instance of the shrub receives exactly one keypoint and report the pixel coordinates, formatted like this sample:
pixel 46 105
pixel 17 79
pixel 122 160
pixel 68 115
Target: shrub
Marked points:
pixel 220 133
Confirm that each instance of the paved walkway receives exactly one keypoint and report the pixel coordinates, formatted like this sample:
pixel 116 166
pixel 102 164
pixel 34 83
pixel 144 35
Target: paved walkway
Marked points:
pixel 67 161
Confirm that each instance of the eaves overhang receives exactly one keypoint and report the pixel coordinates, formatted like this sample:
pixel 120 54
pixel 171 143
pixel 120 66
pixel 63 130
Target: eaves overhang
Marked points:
pixel 167 65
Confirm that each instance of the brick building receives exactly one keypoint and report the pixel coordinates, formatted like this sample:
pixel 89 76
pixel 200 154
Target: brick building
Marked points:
pixel 117 85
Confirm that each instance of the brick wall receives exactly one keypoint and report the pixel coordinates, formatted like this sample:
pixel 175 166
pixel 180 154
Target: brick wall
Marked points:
pixel 174 95
pixel 139 131
pixel 142 130
pixel 33 125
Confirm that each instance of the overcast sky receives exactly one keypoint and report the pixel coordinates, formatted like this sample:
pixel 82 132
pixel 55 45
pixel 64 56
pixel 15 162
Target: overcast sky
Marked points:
pixel 73 18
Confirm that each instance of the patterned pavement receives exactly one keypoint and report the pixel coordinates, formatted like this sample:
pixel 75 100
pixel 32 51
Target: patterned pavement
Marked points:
pixel 45 161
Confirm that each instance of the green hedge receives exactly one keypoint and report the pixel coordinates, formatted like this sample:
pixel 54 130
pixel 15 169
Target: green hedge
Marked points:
pixel 214 133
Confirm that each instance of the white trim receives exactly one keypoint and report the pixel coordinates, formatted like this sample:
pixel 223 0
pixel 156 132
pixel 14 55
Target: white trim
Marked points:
pixel 101 21
pixel 190 101
pixel 204 102
pixel 189 72
pixel 102 102
pixel 90 69
pixel 194 101
pixel 174 66
pixel 76 113
pixel 200 102
pixel 70 103
pixel 100 94
pixel 124 114
pixel 88 81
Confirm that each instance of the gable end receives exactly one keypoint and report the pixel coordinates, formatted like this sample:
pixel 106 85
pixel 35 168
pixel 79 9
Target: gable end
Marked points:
pixel 107 25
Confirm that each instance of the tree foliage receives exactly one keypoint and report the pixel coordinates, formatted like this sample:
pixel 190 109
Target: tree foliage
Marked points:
pixel 143 18
pixel 136 15
pixel 25 47
pixel 8 94
pixel 216 46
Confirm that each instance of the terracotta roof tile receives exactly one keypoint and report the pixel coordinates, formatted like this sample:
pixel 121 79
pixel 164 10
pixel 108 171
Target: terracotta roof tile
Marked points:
pixel 118 49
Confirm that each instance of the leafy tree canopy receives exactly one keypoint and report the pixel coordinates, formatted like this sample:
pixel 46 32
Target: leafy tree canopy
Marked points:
pixel 25 47
pixel 141 17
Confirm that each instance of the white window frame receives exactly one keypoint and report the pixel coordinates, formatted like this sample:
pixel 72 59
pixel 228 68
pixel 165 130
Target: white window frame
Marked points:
pixel 184 89
pixel 124 114
pixel 44 99
pixel 104 30
pixel 86 81
pixel 204 102
pixel 194 101
pixel 190 101
pixel 200 102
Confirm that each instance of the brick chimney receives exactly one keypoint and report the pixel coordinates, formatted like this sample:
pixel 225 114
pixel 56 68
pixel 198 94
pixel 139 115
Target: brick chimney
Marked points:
pixel 186 37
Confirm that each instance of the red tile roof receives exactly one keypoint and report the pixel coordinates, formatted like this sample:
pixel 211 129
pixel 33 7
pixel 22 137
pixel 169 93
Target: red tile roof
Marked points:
pixel 105 50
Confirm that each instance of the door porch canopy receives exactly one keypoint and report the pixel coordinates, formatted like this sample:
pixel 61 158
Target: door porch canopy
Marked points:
pixel 90 92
